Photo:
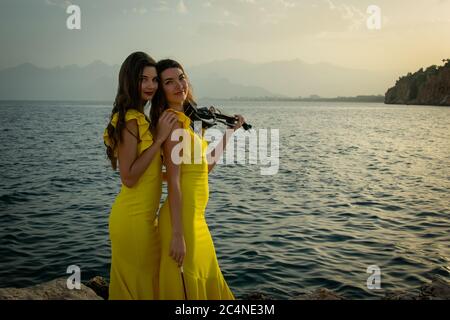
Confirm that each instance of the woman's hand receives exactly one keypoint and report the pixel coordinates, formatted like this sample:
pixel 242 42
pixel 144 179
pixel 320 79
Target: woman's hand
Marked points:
pixel 240 121
pixel 178 249
pixel 165 125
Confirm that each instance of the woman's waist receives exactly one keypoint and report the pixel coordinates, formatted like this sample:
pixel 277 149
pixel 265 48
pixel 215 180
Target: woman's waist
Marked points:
pixel 193 209
pixel 195 170
pixel 146 192
pixel 146 199
pixel 195 195
pixel 148 180
pixel 194 183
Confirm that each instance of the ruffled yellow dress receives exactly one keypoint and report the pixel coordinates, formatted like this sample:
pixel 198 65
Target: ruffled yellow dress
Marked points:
pixel 135 244
pixel 202 276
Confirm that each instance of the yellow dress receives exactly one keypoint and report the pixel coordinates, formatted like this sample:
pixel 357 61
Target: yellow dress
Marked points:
pixel 202 276
pixel 135 244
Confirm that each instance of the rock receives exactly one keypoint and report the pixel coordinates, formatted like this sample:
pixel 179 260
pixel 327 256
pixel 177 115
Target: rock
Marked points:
pixel 100 286
pixel 401 295
pixel 52 290
pixel 438 289
pixel 424 87
pixel 320 294
pixel 256 296
pixel 97 289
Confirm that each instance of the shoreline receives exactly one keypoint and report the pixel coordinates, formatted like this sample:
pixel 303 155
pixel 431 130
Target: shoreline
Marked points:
pixel 97 289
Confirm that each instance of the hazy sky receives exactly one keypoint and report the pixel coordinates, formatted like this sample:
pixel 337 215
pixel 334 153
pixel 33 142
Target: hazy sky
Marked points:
pixel 414 33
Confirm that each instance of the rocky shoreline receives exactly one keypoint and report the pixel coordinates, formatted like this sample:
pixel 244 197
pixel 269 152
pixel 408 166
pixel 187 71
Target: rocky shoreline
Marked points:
pixel 97 289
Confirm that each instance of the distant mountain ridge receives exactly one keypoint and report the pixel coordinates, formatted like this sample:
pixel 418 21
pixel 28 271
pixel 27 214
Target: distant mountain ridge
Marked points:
pixel 96 81
pixel 220 79
pixel 294 78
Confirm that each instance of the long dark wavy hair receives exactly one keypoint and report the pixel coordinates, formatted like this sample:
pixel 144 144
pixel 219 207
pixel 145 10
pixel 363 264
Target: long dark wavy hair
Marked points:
pixel 128 97
pixel 159 102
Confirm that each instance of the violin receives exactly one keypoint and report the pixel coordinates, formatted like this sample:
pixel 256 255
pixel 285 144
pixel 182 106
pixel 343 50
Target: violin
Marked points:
pixel 211 116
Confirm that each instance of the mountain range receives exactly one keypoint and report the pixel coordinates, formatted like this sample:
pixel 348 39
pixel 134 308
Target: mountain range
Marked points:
pixel 219 79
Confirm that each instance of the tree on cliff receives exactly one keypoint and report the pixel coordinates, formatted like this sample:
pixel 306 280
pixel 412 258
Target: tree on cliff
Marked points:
pixel 429 86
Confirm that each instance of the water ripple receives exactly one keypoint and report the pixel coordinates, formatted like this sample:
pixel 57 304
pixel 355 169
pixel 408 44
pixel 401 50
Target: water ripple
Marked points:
pixel 357 186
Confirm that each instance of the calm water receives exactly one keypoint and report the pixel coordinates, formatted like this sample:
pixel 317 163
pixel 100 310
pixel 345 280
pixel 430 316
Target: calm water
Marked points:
pixel 358 185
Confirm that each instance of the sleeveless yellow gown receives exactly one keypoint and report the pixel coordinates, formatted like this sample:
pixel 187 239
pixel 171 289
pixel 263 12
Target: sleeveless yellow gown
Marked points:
pixel 135 244
pixel 202 276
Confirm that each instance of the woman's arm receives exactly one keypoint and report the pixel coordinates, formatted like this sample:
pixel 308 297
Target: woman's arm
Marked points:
pixel 178 245
pixel 132 166
pixel 219 149
pixel 221 146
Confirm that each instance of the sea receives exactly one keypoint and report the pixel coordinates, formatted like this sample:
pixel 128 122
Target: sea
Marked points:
pixel 359 202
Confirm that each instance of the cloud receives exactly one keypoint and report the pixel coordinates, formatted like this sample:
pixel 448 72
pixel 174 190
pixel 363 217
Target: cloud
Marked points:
pixel 58 3
pixel 273 18
pixel 355 16
pixel 331 4
pixel 287 4
pixel 135 10
pixel 162 6
pixel 181 7
pixel 349 13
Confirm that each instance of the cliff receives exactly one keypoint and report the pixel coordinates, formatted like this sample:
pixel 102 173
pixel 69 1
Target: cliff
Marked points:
pixel 424 87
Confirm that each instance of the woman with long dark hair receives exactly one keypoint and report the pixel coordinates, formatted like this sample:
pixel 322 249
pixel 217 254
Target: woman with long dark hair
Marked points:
pixel 133 145
pixel 189 267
